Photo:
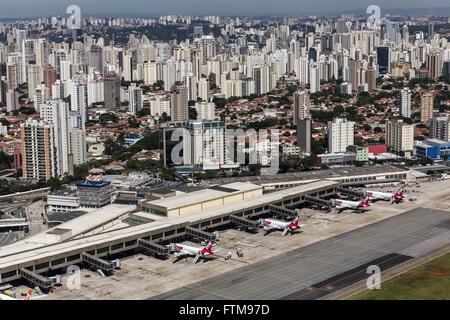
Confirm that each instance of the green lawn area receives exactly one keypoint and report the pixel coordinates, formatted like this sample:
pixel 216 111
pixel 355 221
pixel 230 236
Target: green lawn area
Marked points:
pixel 430 281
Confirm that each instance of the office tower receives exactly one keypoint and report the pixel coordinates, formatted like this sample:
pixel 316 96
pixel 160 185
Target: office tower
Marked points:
pixel 340 135
pixel 426 107
pixel 433 66
pixel 405 103
pixel 95 58
pixel 203 89
pixel 112 91
pixel 34 78
pixel 3 90
pixel 79 99
pixel 135 101
pixel 304 135
pixel 440 128
pixel 38 150
pixel 430 29
pixel 56 112
pixel 301 105
pixel 205 110
pixel 383 59
pixel 12 100
pixel 446 68
pixel 182 34
pixel 399 136
pixel 49 77
pixel 314 78
pixel 78 146
pixel 179 102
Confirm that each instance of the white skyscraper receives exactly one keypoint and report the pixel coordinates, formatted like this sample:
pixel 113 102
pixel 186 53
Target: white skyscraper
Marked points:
pixel 205 110
pixel 340 135
pixel 314 78
pixel 79 99
pixel 135 102
pixel 405 102
pixel 56 112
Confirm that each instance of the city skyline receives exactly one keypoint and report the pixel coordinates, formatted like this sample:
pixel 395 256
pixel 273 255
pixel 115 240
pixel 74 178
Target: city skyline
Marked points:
pixel 138 8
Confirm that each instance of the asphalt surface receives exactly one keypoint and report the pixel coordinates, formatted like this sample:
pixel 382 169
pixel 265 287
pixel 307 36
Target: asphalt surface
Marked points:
pixel 319 269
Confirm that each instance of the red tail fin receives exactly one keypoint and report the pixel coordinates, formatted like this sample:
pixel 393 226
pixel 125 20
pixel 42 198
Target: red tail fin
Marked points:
pixel 365 202
pixel 400 192
pixel 295 222
pixel 28 297
pixel 207 248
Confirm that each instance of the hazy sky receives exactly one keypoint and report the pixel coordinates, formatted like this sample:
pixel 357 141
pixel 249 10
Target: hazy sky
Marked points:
pixel 33 8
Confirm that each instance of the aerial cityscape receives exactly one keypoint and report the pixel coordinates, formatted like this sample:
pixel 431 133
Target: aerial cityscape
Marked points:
pixel 245 156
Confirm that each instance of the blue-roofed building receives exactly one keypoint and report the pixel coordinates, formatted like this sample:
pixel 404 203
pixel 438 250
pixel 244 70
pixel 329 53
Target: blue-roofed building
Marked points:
pixel 94 192
pixel 132 140
pixel 426 151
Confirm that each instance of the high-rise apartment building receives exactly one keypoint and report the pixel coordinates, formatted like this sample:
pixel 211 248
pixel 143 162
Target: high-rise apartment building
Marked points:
pixel 301 105
pixel 405 103
pixel 38 150
pixel 426 107
pixel 112 91
pixel 440 128
pixel 179 102
pixel 399 136
pixel 340 135
pixel 135 101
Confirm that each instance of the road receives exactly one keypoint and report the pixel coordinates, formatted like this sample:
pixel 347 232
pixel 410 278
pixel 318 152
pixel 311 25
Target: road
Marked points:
pixel 329 266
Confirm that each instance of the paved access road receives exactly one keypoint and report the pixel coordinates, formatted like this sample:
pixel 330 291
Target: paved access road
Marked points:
pixel 330 265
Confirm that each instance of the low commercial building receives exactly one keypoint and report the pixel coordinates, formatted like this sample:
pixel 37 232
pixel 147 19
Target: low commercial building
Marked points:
pixel 336 158
pixel 94 194
pixel 196 201
pixel 62 203
pixel 362 153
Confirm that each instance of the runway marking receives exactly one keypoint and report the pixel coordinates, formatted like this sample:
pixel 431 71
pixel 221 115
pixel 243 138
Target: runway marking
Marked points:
pixel 343 278
pixel 358 235
pixel 396 272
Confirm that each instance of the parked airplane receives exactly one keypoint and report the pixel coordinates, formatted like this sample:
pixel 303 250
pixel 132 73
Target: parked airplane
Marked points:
pixel 28 297
pixel 398 196
pixel 270 224
pixel 346 204
pixel 184 250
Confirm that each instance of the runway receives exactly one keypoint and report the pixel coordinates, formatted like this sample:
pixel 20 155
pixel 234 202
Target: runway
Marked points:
pixel 319 269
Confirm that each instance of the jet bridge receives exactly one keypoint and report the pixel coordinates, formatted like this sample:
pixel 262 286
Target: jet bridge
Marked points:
pixel 153 247
pixel 319 202
pixel 244 222
pixel 37 279
pixel 283 211
pixel 97 262
pixel 200 234
pixel 348 192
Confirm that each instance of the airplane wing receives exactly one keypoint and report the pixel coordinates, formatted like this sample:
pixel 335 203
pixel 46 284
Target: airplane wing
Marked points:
pixel 285 231
pixel 196 258
pixel 179 254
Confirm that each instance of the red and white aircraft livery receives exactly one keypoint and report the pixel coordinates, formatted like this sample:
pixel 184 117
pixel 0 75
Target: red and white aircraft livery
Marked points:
pixel 398 196
pixel 345 204
pixel 28 297
pixel 184 250
pixel 270 224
